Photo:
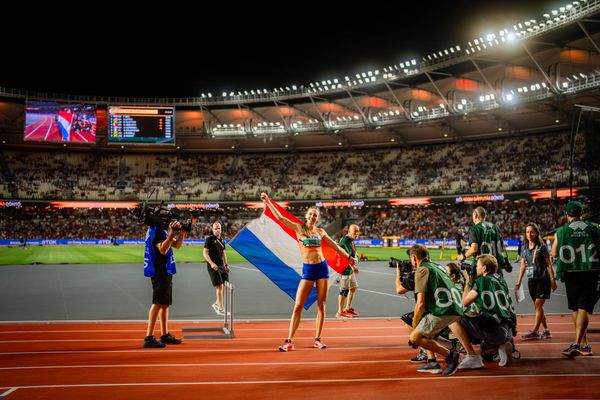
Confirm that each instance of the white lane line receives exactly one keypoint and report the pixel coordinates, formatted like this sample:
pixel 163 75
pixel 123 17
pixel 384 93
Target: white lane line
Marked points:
pixel 229 340
pixel 228 350
pixel 247 364
pixel 179 330
pixel 48 131
pixel 41 121
pixel 3 395
pixel 182 321
pixel 376 272
pixel 384 294
pixel 309 381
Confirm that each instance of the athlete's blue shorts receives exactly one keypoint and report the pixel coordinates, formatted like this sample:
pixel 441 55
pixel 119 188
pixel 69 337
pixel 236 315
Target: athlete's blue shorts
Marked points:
pixel 312 272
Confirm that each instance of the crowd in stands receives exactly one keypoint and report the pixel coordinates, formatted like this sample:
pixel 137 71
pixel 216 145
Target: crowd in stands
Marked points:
pixel 406 222
pixel 523 162
pixel 439 220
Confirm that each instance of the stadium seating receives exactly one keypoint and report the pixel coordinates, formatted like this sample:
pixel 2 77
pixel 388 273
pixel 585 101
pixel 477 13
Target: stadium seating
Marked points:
pixel 527 162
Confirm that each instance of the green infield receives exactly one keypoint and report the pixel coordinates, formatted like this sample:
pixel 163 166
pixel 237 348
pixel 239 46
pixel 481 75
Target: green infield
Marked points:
pixel 134 254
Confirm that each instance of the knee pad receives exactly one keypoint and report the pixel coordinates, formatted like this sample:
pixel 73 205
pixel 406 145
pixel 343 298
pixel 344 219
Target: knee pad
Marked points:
pixel 344 292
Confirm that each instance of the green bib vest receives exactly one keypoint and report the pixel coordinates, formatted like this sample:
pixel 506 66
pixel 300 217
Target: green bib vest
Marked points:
pixel 442 297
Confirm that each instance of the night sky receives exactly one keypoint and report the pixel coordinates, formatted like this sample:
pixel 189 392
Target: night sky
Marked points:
pixel 182 51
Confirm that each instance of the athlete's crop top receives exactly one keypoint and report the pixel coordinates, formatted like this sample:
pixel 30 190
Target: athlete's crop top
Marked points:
pixel 311 243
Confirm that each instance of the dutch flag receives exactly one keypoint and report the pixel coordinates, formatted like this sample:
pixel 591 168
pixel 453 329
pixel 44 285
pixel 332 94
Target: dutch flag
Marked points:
pixel 273 249
pixel 65 119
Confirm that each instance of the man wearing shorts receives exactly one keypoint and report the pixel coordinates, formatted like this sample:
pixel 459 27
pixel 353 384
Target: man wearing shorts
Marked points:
pixel 216 265
pixel 576 250
pixel 348 282
pixel 159 265
pixel 439 305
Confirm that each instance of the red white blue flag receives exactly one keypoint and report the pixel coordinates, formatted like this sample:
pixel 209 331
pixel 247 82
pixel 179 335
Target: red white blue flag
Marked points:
pixel 273 248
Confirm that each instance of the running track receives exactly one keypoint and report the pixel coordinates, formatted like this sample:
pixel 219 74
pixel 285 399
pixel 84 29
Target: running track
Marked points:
pixel 366 359
pixel 43 128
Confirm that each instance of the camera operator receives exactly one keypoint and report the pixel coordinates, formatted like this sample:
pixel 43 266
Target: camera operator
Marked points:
pixel 438 306
pixel 159 265
pixel 494 318
pixel 405 282
pixel 485 239
pixel 217 265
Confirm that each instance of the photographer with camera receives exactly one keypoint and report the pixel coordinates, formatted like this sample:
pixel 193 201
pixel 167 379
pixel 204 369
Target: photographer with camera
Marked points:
pixel 348 282
pixel 493 320
pixel 438 306
pixel 217 265
pixel 485 238
pixel 159 265
pixel 405 282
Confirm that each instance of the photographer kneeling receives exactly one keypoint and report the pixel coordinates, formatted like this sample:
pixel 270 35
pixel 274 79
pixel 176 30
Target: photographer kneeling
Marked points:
pixel 495 319
pixel 438 306
pixel 159 265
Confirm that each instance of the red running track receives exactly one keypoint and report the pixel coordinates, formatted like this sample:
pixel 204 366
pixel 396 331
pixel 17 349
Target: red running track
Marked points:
pixel 366 359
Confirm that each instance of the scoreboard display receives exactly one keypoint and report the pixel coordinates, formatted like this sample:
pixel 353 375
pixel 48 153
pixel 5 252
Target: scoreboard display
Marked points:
pixel 141 124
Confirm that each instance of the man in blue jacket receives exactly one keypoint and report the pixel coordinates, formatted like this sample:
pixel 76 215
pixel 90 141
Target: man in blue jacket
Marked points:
pixel 159 265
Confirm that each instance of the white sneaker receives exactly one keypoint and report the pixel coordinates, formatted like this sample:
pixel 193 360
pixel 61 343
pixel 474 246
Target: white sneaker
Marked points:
pixel 217 309
pixel 471 362
pixel 505 354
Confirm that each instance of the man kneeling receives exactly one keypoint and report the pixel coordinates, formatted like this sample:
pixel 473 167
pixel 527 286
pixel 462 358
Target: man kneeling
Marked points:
pixel 492 317
pixel 438 306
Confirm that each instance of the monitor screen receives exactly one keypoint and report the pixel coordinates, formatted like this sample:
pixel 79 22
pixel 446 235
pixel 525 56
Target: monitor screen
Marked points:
pixel 49 121
pixel 141 124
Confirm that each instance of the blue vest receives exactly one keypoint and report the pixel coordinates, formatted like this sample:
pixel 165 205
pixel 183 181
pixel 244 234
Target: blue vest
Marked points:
pixel 149 252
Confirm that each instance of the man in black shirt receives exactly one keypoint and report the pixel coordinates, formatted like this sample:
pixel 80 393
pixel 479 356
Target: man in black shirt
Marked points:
pixel 159 265
pixel 216 264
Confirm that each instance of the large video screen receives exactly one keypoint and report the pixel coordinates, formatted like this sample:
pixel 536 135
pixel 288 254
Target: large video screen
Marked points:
pixel 141 124
pixel 60 122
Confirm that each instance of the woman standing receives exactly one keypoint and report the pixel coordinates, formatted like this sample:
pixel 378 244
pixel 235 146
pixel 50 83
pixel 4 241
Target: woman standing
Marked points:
pixel 535 261
pixel 315 271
